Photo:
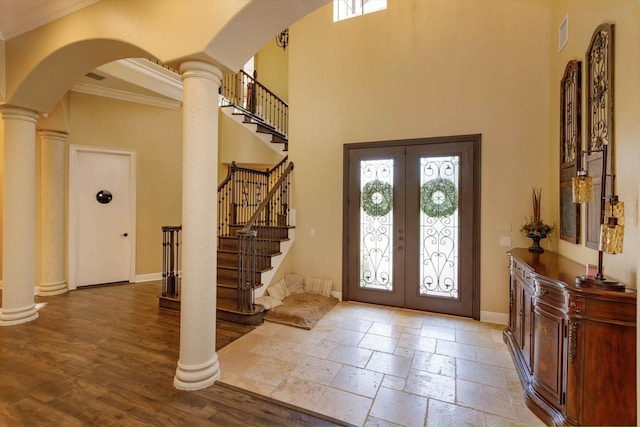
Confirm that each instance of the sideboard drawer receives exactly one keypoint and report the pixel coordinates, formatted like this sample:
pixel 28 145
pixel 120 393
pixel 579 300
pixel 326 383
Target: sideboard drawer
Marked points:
pixel 550 294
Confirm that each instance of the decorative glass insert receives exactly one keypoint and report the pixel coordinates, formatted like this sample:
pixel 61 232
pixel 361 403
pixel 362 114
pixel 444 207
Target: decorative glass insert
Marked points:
pixel 439 226
pixel 376 224
pixel 345 9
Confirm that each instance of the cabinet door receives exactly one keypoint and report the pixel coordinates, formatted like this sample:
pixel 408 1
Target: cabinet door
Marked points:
pixel 609 374
pixel 518 309
pixel 527 318
pixel 548 353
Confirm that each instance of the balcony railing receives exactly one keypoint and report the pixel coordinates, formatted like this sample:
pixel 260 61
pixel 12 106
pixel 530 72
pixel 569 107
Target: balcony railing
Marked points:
pixel 250 96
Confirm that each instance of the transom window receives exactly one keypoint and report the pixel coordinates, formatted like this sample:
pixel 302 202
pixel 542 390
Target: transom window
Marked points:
pixel 345 9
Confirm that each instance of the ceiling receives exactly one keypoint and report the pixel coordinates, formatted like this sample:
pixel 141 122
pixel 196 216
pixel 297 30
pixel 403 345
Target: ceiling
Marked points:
pixel 136 80
pixel 19 16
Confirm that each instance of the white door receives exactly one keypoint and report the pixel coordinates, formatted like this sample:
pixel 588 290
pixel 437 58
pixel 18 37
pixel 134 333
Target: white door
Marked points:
pixel 101 216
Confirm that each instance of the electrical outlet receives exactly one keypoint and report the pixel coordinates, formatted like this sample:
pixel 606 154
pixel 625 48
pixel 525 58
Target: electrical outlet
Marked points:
pixel 505 241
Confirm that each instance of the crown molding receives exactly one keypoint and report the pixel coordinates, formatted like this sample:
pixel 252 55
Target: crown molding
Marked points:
pixel 146 74
pixel 126 96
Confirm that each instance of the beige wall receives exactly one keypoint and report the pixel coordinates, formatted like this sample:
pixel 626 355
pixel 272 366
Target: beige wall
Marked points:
pixel 155 134
pixel 238 143
pixel 272 65
pixel 1 190
pixel 422 69
pixel 584 17
pixel 3 70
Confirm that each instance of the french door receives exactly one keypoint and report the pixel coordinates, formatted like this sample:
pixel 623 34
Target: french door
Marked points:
pixel 411 228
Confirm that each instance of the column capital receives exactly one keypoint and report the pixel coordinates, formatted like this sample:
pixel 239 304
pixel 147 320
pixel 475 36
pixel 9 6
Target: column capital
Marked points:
pixel 200 69
pixel 12 112
pixel 54 135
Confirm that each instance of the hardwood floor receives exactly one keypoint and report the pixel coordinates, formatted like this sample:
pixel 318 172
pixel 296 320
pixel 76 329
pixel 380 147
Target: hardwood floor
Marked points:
pixel 107 356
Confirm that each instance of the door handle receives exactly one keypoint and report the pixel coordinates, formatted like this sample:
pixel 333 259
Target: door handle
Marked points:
pixel 124 235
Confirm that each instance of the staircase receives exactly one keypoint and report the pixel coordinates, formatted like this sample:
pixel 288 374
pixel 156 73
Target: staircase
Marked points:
pixel 255 106
pixel 253 211
pixel 268 242
pixel 253 225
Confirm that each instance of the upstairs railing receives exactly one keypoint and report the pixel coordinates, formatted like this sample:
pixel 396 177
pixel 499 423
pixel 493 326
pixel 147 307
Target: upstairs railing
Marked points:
pixel 248 94
pixel 259 234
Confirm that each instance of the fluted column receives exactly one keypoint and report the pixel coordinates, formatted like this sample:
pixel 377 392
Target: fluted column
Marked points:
pixel 198 366
pixel 52 280
pixel 18 237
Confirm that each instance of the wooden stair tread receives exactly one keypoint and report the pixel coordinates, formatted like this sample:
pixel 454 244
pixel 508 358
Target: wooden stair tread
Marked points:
pixel 281 227
pixel 227 283
pixel 231 251
pixel 230 305
pixel 259 239
pixel 235 267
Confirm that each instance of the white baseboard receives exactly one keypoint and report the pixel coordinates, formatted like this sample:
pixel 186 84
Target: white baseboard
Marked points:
pixel 493 317
pixel 148 277
pixel 337 294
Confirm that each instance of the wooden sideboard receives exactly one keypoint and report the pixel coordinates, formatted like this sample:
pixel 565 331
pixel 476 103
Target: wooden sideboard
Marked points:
pixel 574 347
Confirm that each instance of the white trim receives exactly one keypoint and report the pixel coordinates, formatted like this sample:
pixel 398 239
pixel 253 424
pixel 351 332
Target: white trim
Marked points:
pixel 150 277
pixel 126 96
pixel 73 206
pixel 337 294
pixel 493 317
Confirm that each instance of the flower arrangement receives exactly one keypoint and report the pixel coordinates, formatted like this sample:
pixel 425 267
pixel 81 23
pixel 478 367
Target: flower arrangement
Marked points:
pixel 535 227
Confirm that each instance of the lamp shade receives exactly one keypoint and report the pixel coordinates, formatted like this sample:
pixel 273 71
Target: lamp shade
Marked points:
pixel 611 238
pixel 612 231
pixel 582 186
pixel 615 210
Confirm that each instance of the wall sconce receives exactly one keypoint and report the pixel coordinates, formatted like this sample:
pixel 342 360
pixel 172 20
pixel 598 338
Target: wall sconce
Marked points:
pixel 282 39
pixel 611 224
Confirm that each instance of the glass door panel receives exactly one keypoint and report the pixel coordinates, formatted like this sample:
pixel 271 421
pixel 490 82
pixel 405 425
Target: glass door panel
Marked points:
pixel 438 253
pixel 376 224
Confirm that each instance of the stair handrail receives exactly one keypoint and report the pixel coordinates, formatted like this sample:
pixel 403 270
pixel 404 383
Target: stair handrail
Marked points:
pixel 242 191
pixel 272 212
pixel 252 97
pixel 276 187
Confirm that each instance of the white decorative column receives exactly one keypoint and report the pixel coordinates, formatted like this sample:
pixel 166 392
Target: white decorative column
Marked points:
pixel 52 280
pixel 18 236
pixel 198 365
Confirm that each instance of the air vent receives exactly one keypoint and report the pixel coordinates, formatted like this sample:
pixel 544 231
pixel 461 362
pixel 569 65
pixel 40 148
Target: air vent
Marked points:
pixel 563 33
pixel 95 76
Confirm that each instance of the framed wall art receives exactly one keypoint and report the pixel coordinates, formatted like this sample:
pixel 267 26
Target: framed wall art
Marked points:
pixel 570 149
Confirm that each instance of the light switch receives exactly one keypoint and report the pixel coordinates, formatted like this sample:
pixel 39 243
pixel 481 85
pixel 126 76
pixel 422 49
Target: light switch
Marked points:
pixel 505 241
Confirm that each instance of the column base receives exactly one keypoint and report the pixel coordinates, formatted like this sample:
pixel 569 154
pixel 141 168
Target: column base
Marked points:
pixel 57 288
pixel 197 377
pixel 17 316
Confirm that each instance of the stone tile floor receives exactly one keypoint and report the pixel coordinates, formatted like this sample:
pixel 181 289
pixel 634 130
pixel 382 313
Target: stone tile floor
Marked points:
pixel 380 366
